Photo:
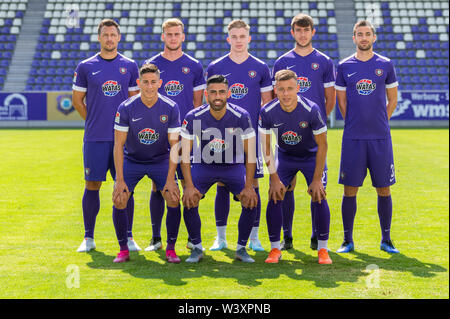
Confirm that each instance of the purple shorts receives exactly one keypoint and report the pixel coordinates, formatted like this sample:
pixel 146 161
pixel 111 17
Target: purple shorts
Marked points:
pixel 288 169
pixel 133 172
pixel 206 175
pixel 359 155
pixel 98 158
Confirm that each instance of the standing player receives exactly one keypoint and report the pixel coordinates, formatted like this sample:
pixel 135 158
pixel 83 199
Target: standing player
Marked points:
pixel 184 83
pixel 302 146
pixel 363 81
pixel 250 85
pixel 144 127
pixel 105 80
pixel 227 140
pixel 316 78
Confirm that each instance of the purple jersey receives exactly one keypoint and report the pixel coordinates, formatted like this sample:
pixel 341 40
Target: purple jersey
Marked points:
pixel 365 84
pixel 295 130
pixel 246 82
pixel 106 83
pixel 220 141
pixel 180 79
pixel 148 128
pixel 315 72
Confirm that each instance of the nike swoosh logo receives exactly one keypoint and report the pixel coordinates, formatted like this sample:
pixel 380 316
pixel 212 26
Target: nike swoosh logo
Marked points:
pixel 290 67
pixel 276 125
pixel 349 75
pixel 225 75
pixel 94 73
pixel 135 120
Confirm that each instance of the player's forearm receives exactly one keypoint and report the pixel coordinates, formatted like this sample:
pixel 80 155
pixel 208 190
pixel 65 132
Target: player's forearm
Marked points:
pixel 118 161
pixel 249 173
pixel 330 100
pixel 391 108
pixel 321 156
pixel 81 108
pixel 186 170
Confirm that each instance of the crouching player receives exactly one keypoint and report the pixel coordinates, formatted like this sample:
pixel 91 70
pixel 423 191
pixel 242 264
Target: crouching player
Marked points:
pixel 145 126
pixel 301 146
pixel 226 138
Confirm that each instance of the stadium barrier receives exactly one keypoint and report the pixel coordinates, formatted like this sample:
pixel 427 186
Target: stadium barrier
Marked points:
pixel 55 109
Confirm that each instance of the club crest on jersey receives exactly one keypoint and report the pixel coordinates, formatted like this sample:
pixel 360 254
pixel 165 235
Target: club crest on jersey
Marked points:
pixel 365 86
pixel 379 72
pixel 315 66
pixel 218 145
pixel 163 118
pixel 304 83
pixel 238 91
pixel 122 70
pixel 303 124
pixel 148 136
pixel 291 138
pixel 117 118
pixel 252 74
pixel 185 70
pixel 111 88
pixel 173 88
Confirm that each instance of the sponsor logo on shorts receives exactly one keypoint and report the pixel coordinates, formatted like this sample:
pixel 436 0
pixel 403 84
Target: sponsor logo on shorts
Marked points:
pixel 218 145
pixel 315 66
pixel 111 88
pixel 365 86
pixel 163 118
pixel 238 91
pixel 291 138
pixel 87 171
pixel 148 136
pixel 304 83
pixel 173 88
pixel 342 176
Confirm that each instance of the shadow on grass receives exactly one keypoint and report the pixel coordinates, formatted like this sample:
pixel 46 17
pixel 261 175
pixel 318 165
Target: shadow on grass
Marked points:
pixel 304 267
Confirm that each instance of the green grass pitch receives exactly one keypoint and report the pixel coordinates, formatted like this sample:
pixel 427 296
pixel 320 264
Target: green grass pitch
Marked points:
pixel 42 226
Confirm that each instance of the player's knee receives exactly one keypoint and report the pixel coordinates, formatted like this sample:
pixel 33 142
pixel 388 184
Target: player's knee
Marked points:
pixel 93 185
pixel 154 188
pixel 383 191
pixel 220 184
pixel 350 191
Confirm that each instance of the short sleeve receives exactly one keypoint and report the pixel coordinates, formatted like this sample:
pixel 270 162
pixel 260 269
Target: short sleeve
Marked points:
pixel 275 69
pixel 121 120
pixel 133 86
pixel 247 128
pixel 209 71
pixel 318 125
pixel 264 125
pixel 79 79
pixel 199 80
pixel 340 83
pixel 391 77
pixel 174 120
pixel 329 76
pixel 187 127
pixel 266 80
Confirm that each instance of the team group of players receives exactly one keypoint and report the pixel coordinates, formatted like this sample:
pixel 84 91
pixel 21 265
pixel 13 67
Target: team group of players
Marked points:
pixel 152 121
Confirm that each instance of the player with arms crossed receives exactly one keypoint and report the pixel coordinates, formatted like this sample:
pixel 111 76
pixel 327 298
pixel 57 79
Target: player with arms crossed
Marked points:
pixel 227 140
pixel 144 127
pixel 316 76
pixel 251 86
pixel 105 80
pixel 363 82
pixel 302 146
pixel 184 83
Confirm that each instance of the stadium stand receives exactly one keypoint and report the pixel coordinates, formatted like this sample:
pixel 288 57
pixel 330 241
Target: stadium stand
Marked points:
pixel 412 33
pixel 11 14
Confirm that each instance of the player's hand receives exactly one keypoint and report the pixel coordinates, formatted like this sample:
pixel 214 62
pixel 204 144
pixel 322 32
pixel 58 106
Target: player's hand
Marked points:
pixel 120 195
pixel 248 197
pixel 191 197
pixel 171 189
pixel 277 191
pixel 317 191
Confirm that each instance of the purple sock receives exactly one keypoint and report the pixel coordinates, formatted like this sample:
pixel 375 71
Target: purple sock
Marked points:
pixel 258 209
pixel 385 215
pixel 313 220
pixel 245 225
pixel 130 215
pixel 222 205
pixel 288 213
pixel 348 216
pixel 173 219
pixel 193 224
pixel 120 225
pixel 321 219
pixel 91 207
pixel 156 212
pixel 274 217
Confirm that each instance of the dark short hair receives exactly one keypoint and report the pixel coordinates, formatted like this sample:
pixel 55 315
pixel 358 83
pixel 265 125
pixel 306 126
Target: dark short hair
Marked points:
pixel 218 78
pixel 302 20
pixel 148 68
pixel 108 23
pixel 363 23
pixel 284 75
